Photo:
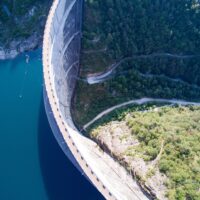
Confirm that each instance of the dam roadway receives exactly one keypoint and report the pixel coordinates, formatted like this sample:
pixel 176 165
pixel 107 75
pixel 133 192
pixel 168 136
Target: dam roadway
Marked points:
pixel 61 49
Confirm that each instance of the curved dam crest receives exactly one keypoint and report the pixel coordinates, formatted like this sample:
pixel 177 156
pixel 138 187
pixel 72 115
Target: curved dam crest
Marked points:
pixel 61 51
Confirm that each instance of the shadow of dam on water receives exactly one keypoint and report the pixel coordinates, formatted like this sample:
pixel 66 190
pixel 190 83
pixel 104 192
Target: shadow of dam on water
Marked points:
pixel 61 179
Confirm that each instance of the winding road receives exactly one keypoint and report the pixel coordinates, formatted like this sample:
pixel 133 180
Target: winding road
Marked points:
pixel 98 78
pixel 145 75
pixel 168 78
pixel 95 51
pixel 139 102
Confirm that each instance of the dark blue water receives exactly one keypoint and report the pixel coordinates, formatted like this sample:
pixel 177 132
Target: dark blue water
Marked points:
pixel 32 166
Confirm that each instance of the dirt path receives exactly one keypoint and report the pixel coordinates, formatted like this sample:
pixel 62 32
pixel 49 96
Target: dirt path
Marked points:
pixel 95 51
pixel 103 76
pixel 138 102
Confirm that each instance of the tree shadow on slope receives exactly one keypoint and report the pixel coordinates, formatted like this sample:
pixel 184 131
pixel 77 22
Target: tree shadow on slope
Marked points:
pixel 61 179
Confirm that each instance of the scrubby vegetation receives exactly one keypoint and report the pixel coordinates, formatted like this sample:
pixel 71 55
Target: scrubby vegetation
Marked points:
pixel 161 40
pixel 168 137
pixel 21 18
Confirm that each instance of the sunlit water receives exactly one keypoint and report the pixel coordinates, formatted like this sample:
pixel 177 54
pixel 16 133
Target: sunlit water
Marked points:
pixel 32 166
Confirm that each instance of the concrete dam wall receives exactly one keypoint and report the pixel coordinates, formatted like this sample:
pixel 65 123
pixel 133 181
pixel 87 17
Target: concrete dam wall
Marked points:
pixel 61 52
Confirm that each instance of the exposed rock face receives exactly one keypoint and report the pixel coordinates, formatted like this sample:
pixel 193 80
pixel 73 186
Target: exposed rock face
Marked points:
pixel 19 46
pixel 22 31
pixel 6 54
pixel 116 139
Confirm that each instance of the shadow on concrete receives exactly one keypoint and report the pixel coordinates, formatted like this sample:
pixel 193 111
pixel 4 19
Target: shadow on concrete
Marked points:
pixel 61 179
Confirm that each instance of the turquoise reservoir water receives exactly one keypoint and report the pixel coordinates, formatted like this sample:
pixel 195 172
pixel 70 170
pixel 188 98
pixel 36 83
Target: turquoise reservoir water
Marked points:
pixel 32 166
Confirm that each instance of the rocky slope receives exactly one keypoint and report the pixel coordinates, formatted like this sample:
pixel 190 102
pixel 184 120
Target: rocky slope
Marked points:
pixel 159 146
pixel 21 26
pixel 115 138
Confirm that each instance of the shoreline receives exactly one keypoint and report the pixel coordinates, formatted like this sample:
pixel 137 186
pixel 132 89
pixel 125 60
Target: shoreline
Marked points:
pixel 31 54
pixel 18 47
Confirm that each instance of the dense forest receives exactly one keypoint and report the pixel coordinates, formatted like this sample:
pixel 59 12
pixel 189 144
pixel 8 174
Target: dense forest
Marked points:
pixel 135 27
pixel 158 43
pixel 168 140
pixel 21 18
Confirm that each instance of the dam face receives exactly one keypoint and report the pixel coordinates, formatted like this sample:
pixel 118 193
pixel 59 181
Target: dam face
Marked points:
pixel 65 51
pixel 61 53
pixel 64 48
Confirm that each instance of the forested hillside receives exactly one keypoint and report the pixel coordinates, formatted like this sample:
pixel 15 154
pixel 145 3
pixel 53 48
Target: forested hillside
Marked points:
pixel 20 19
pixel 135 27
pixel 150 47
pixel 142 48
